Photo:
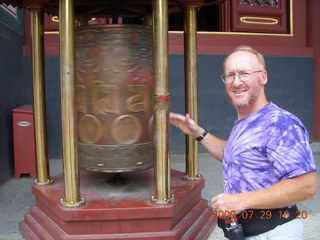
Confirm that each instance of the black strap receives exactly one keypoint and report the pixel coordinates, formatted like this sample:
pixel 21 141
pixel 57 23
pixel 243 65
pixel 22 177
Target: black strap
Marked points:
pixel 257 221
pixel 201 137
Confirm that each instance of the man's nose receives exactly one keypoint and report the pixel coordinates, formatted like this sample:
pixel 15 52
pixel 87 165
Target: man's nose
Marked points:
pixel 237 80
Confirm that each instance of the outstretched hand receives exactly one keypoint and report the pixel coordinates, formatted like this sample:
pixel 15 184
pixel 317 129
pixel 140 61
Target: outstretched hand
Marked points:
pixel 186 124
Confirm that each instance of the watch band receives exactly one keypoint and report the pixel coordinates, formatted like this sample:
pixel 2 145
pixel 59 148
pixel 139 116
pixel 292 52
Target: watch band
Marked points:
pixel 202 136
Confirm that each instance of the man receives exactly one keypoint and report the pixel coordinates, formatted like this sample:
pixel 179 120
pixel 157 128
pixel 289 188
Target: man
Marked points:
pixel 268 166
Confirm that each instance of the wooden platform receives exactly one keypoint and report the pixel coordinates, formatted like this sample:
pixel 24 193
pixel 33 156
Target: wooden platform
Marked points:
pixel 122 212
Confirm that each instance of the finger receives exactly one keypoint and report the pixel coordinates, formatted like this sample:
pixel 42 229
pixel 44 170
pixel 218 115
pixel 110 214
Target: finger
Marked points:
pixel 172 114
pixel 214 203
pixel 175 118
pixel 188 120
pixel 172 117
pixel 214 199
pixel 214 207
pixel 188 117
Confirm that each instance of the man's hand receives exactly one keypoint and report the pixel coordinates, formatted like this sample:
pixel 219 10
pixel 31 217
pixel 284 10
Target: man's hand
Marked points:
pixel 186 124
pixel 224 203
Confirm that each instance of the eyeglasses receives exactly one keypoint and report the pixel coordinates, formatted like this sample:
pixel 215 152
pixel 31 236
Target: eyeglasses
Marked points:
pixel 243 76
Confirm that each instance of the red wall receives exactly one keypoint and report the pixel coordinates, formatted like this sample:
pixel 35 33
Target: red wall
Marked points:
pixel 314 42
pixel 303 41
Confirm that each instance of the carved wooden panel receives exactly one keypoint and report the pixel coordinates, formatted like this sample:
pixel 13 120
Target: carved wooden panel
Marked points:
pixel 261 16
pixel 51 23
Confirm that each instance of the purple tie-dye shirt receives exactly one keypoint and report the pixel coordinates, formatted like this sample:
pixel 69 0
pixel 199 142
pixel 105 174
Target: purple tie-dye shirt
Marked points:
pixel 264 148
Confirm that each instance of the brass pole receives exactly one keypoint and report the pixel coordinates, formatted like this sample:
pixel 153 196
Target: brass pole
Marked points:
pixel 67 76
pixel 191 88
pixel 39 102
pixel 161 102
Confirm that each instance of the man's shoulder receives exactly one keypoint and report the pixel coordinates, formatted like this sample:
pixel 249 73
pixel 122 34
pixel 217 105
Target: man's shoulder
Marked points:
pixel 276 114
pixel 283 119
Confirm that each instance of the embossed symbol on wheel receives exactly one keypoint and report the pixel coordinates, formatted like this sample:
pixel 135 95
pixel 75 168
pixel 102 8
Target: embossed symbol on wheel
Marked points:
pixel 90 129
pixel 126 129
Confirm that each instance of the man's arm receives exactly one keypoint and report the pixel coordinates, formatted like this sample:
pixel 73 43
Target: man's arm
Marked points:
pixel 285 193
pixel 188 126
pixel 214 146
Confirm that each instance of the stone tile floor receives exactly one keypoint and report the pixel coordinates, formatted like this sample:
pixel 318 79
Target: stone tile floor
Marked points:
pixel 16 196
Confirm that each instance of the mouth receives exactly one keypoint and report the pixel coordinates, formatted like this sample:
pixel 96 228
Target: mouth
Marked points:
pixel 239 91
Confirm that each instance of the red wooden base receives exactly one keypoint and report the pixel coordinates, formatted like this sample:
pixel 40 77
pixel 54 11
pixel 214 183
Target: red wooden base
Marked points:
pixel 122 212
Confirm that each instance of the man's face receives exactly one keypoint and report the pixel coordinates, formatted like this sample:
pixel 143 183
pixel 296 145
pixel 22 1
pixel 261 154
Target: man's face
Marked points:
pixel 243 94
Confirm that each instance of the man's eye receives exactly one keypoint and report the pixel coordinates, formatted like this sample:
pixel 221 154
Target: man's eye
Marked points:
pixel 244 74
pixel 230 75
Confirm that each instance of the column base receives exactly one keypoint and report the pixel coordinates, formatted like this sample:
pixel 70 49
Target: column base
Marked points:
pixel 119 212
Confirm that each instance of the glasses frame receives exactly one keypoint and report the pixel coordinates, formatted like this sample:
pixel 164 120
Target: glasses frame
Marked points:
pixel 223 76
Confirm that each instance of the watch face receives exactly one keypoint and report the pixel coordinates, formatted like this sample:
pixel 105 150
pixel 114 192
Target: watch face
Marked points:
pixel 201 137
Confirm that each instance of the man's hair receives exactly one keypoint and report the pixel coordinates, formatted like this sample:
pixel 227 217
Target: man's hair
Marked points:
pixel 245 48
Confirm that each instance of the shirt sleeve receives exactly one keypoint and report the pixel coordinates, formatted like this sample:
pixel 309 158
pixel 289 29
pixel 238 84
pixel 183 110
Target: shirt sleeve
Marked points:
pixel 289 149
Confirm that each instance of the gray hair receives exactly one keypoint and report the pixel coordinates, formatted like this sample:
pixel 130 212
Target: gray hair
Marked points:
pixel 245 48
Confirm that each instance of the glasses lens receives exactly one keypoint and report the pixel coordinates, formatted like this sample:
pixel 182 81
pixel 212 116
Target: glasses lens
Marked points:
pixel 244 76
pixel 228 77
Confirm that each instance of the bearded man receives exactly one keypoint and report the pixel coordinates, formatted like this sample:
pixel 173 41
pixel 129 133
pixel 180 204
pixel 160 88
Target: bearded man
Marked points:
pixel 268 166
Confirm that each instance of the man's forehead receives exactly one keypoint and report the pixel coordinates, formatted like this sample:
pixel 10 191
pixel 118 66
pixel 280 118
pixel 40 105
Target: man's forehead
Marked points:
pixel 241 60
pixel 242 54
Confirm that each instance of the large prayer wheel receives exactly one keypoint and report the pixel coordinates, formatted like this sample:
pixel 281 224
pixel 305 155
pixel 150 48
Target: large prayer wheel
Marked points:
pixel 114 88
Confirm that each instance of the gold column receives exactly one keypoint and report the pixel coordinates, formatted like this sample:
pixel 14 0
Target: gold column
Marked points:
pixel 39 102
pixel 161 102
pixel 191 88
pixel 67 76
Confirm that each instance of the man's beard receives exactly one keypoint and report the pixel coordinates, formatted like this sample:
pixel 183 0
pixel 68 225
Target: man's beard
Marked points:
pixel 252 98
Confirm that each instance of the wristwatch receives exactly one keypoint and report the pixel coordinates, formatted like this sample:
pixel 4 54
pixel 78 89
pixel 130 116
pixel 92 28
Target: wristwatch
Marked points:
pixel 201 137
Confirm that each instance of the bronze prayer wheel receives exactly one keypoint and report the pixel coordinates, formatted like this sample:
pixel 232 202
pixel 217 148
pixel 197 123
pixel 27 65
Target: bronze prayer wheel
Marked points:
pixel 114 87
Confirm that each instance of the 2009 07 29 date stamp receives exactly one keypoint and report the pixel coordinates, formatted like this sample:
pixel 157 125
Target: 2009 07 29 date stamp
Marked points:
pixel 262 214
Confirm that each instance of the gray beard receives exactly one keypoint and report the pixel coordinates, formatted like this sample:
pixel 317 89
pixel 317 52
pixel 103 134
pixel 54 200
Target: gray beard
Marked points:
pixel 251 100
pixel 241 105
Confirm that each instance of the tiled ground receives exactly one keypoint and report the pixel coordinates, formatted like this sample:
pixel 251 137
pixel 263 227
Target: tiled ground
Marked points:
pixel 16 197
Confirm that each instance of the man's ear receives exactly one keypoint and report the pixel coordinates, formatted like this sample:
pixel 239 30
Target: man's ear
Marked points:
pixel 264 77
